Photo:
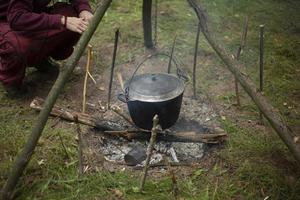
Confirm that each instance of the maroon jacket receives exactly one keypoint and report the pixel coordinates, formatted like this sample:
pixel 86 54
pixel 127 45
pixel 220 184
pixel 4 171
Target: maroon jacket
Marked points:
pixel 29 15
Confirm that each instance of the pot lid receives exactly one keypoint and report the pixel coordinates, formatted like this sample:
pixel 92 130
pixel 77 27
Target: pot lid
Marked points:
pixel 154 87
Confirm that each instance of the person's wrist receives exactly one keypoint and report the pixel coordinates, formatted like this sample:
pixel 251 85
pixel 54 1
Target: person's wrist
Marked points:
pixel 62 20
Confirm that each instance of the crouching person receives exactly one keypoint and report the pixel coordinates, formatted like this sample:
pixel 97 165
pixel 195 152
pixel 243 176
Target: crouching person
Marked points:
pixel 33 30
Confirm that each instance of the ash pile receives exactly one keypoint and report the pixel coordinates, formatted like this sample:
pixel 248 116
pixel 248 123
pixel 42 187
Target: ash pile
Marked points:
pixel 196 116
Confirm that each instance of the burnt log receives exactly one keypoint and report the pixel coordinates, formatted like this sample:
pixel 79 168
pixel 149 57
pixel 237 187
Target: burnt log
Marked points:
pixel 188 136
pixel 82 118
pixel 113 129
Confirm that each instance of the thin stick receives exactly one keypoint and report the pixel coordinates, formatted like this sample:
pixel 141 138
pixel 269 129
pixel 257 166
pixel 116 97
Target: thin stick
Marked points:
pixel 171 55
pixel 25 155
pixel 175 188
pixel 154 131
pixel 80 158
pixel 117 111
pixel 195 60
pixel 92 78
pixel 261 64
pixel 63 145
pixel 112 67
pixel 239 51
pixel 87 69
pixel 173 164
pixel 120 78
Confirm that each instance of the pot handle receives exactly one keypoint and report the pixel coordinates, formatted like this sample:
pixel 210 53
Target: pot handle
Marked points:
pixel 122 98
pixel 180 73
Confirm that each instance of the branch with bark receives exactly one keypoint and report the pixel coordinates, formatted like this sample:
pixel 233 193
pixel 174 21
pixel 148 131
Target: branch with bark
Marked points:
pixel 290 138
pixel 111 128
pixel 25 155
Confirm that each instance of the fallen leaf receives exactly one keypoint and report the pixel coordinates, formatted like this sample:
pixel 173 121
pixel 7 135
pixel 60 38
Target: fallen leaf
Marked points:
pixel 41 162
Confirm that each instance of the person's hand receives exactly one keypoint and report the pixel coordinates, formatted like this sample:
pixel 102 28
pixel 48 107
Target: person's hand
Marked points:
pixel 75 24
pixel 86 15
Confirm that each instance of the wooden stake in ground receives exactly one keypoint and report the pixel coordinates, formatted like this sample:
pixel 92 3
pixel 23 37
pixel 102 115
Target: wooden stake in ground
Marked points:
pixel 195 60
pixel 261 63
pixel 87 70
pixel 156 128
pixel 24 157
pixel 271 114
pixel 112 68
pixel 239 51
pixel 171 55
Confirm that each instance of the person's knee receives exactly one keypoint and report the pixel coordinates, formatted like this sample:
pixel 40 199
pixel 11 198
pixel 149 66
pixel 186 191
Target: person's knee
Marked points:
pixel 15 47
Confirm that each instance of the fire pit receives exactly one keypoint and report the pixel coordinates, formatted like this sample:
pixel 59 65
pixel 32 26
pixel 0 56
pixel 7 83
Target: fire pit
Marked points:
pixel 196 118
pixel 194 114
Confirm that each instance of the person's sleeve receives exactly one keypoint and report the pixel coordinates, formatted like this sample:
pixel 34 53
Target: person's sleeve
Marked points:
pixel 20 16
pixel 81 5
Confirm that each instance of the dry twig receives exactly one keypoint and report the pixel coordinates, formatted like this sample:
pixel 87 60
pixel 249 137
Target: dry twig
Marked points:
pixel 239 51
pixel 156 128
pixel 80 146
pixel 87 73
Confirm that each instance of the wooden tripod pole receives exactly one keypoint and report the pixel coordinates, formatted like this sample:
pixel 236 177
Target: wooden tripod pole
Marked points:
pixel 290 138
pixel 24 157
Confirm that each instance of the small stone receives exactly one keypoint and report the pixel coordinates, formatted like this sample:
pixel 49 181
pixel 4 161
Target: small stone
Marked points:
pixel 296 139
pixel 207 119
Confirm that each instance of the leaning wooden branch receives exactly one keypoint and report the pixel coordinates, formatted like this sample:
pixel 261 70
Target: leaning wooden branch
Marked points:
pixel 25 155
pixel 271 114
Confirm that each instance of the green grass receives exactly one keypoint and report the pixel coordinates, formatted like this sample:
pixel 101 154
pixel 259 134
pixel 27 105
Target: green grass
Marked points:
pixel 253 164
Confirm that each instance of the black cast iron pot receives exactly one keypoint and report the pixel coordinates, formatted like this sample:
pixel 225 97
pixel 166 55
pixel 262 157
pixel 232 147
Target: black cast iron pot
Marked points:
pixel 149 94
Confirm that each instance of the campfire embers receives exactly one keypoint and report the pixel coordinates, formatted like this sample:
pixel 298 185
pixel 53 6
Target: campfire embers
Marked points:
pixel 115 150
pixel 193 115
